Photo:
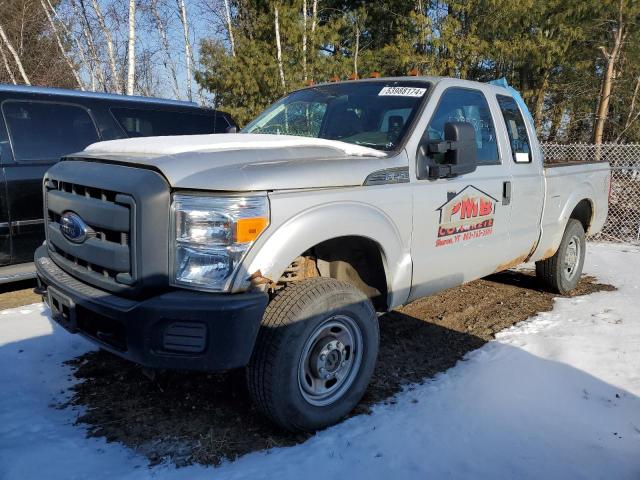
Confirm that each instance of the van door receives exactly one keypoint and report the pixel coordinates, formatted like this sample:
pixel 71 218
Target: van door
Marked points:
pixel 527 181
pixel 39 133
pixel 5 231
pixel 460 225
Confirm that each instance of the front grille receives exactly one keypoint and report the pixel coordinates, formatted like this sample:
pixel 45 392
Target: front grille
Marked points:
pixel 105 258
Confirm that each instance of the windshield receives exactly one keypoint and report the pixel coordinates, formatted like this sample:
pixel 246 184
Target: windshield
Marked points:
pixel 372 114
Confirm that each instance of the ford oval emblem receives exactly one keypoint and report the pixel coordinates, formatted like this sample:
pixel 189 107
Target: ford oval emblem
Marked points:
pixel 73 227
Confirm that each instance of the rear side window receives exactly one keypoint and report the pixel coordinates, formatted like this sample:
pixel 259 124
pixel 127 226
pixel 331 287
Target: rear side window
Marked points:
pixel 520 147
pixel 469 106
pixel 44 131
pixel 138 122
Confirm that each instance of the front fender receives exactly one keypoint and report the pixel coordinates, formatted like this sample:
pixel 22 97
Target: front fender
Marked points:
pixel 286 239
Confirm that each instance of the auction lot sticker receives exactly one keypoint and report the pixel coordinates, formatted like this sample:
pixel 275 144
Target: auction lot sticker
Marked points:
pixel 402 92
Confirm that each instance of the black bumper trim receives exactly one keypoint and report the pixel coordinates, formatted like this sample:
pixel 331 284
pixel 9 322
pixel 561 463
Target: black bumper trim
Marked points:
pixel 145 331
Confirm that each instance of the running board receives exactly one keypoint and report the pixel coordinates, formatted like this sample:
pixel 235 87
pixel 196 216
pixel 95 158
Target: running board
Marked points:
pixel 15 273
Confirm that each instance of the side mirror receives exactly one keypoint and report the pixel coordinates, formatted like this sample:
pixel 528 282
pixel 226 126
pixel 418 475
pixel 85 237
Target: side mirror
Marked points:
pixel 232 129
pixel 459 150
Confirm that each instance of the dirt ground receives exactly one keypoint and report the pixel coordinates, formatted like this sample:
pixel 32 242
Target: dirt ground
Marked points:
pixel 17 294
pixel 187 417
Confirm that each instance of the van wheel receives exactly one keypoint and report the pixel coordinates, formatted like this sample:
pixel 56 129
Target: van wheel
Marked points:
pixel 315 353
pixel 561 272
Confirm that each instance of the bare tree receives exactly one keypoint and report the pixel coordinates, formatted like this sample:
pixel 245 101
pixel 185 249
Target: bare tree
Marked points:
pixel 106 32
pixel 170 63
pixel 131 49
pixel 87 33
pixel 7 66
pixel 314 23
pixel 611 60
pixel 633 116
pixel 314 16
pixel 230 28
pixel 304 40
pixel 64 53
pixel 279 48
pixel 187 46
pixel 16 57
pixel 357 49
pixel 83 58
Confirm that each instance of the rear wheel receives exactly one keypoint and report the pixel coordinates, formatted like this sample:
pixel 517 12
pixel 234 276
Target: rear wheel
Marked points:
pixel 561 273
pixel 314 355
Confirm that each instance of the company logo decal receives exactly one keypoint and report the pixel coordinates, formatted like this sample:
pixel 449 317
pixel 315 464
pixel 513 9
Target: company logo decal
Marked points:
pixel 73 227
pixel 466 215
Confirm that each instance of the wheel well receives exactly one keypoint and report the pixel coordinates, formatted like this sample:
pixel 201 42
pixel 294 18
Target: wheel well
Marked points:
pixel 353 259
pixel 583 213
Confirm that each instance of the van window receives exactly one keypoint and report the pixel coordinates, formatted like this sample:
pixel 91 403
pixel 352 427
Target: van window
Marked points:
pixel 520 149
pixel 138 122
pixel 44 131
pixel 469 106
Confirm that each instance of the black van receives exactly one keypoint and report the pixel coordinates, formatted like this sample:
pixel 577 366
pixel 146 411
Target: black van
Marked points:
pixel 40 125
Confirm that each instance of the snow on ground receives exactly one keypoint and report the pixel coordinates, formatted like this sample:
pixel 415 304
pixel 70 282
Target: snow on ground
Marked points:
pixel 557 396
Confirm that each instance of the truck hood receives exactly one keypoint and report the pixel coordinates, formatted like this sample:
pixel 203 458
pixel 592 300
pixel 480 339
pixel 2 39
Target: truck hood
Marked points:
pixel 246 162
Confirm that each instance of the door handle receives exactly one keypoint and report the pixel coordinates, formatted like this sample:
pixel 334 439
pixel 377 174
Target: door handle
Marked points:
pixel 506 193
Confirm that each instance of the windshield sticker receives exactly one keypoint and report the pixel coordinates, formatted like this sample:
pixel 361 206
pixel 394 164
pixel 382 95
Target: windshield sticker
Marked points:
pixel 466 215
pixel 402 92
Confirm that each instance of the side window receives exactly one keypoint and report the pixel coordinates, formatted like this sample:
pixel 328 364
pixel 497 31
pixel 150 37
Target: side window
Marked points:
pixel 520 148
pixel 139 122
pixel 470 106
pixel 43 131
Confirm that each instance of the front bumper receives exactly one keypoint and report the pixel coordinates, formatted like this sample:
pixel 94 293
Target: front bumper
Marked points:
pixel 179 329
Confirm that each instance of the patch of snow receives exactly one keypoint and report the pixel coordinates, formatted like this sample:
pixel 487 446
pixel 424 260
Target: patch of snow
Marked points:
pixel 557 396
pixel 173 145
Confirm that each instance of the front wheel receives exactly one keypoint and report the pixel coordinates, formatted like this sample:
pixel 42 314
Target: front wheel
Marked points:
pixel 315 354
pixel 562 272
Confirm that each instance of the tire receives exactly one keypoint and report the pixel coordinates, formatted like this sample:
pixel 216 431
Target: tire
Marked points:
pixel 561 273
pixel 313 329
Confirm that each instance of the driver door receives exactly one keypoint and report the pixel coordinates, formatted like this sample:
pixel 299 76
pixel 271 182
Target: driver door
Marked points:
pixel 460 224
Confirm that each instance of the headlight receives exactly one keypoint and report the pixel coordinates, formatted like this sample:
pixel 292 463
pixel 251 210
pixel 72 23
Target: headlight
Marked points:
pixel 211 235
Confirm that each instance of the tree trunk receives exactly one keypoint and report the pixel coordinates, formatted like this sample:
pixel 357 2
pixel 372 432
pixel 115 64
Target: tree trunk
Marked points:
pixel 54 29
pixel 167 50
pixel 304 40
pixel 608 75
pixel 314 23
pixel 634 99
pixel 7 66
pixel 16 58
pixel 117 85
pixel 539 105
pixel 187 47
pixel 230 28
pixel 279 49
pixel 556 121
pixel 131 48
pixel 357 51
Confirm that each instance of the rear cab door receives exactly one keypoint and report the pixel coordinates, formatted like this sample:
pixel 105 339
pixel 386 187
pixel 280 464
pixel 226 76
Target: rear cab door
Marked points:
pixel 527 180
pixel 460 224
pixel 40 131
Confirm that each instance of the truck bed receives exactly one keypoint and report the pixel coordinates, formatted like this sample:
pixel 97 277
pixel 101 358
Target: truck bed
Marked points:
pixel 566 185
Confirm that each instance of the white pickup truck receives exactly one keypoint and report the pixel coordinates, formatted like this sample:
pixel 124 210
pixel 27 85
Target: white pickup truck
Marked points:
pixel 275 249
